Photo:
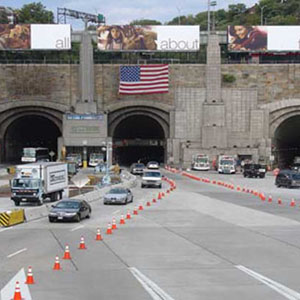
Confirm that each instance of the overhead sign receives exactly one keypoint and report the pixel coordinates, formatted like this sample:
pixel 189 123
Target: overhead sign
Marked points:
pixel 151 38
pixel 263 38
pixel 35 36
pixel 84 116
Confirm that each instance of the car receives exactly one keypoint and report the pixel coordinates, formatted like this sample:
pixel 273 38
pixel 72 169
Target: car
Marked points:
pixel 137 168
pixel 151 178
pixel 254 170
pixel 152 165
pixel 288 178
pixel 70 210
pixel 118 195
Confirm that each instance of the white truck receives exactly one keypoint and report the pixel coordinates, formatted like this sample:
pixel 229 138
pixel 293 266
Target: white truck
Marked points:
pixel 200 162
pixel 95 159
pixel 38 181
pixel 226 164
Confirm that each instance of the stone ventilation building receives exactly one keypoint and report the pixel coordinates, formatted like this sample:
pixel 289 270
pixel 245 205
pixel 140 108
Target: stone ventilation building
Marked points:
pixel 78 107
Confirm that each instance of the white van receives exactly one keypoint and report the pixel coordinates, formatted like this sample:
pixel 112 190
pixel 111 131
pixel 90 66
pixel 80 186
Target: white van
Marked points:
pixel 151 178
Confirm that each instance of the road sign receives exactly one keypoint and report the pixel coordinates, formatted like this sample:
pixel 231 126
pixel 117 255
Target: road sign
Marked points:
pixel 51 153
pixel 272 157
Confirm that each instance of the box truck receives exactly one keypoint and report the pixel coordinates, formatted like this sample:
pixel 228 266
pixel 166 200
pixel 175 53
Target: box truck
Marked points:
pixel 200 162
pixel 37 181
pixel 227 164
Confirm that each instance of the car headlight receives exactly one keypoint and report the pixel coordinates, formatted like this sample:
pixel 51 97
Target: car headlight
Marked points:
pixel 53 214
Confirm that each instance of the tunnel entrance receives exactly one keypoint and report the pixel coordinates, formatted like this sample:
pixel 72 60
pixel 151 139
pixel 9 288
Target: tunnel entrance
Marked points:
pixel 138 138
pixel 287 141
pixel 29 131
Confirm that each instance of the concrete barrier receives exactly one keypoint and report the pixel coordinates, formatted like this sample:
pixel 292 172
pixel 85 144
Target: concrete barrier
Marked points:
pixel 12 217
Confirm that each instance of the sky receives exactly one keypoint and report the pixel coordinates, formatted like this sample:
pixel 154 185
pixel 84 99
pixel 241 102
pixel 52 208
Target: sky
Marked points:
pixel 121 12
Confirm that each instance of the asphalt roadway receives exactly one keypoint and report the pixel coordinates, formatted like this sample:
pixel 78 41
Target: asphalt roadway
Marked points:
pixel 202 241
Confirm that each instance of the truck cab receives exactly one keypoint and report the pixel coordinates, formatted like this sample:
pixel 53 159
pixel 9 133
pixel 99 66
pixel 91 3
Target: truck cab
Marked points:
pixel 226 164
pixel 200 162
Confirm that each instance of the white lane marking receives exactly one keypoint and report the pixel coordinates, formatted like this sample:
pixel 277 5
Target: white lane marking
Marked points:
pixel 76 228
pixel 16 253
pixel 4 229
pixel 8 291
pixel 281 289
pixel 116 212
pixel 153 289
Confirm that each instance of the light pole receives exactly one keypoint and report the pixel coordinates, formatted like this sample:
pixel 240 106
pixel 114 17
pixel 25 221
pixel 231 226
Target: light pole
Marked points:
pixel 214 4
pixel 179 13
pixel 208 17
pixel 262 15
pixel 108 148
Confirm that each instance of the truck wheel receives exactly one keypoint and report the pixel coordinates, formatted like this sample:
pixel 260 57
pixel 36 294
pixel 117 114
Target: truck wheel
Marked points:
pixel 17 203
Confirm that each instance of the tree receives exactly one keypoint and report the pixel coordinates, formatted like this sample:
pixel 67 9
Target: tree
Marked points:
pixel 35 13
pixel 3 17
pixel 144 22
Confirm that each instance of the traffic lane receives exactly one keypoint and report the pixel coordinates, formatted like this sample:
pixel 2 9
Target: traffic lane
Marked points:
pixel 171 253
pixel 265 185
pixel 241 198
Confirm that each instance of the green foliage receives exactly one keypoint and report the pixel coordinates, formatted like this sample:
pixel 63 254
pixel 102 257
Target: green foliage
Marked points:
pixel 3 17
pixel 228 78
pixel 145 22
pixel 35 13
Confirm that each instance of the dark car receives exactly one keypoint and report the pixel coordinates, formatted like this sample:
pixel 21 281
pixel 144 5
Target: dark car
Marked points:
pixel 70 210
pixel 254 170
pixel 288 178
pixel 137 168
pixel 118 196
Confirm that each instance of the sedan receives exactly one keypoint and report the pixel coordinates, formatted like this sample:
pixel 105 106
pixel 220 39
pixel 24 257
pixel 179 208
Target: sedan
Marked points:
pixel 70 210
pixel 118 196
pixel 137 169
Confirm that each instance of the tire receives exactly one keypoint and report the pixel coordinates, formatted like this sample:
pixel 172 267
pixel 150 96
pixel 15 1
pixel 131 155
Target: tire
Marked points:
pixel 17 203
pixel 245 175
pixel 89 215
pixel 51 220
pixel 159 186
pixel 142 186
pixel 131 199
pixel 77 219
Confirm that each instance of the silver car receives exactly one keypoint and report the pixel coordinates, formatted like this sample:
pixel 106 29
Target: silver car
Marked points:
pixel 118 196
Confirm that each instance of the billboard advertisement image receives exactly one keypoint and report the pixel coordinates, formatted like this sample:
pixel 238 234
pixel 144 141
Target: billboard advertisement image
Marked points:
pixel 151 38
pixel 263 38
pixel 35 37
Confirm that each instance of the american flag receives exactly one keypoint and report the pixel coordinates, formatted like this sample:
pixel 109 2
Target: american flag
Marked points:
pixel 144 79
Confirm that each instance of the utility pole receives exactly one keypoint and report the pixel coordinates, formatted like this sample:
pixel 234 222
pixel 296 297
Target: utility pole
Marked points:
pixel 262 15
pixel 208 17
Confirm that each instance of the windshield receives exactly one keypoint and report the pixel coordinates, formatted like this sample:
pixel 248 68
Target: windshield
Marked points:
pixel 68 204
pixel 26 183
pixel 227 162
pixel 152 174
pixel 201 160
pixel 96 156
pixel 117 191
pixel 29 152
pixel 139 166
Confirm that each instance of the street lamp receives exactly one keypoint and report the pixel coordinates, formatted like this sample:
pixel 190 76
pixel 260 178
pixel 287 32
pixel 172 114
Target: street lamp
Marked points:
pixel 108 147
pixel 179 14
pixel 262 15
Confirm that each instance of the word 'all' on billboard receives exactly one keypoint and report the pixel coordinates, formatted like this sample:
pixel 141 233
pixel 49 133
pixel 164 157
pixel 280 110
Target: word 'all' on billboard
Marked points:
pixel 35 36
pixel 151 38
pixel 263 38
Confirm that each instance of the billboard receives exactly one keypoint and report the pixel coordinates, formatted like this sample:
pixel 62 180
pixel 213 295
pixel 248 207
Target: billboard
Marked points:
pixel 35 37
pixel 148 38
pixel 263 38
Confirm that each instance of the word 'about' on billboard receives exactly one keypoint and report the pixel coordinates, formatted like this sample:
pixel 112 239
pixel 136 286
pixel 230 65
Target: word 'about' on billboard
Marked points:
pixel 151 38
pixel 263 38
pixel 35 36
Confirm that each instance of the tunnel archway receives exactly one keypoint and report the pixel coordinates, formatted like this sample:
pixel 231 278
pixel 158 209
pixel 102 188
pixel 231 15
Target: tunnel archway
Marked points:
pixel 286 141
pixel 32 130
pixel 138 137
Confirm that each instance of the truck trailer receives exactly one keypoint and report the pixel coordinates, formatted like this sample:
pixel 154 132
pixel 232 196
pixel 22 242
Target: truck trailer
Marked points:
pixel 37 181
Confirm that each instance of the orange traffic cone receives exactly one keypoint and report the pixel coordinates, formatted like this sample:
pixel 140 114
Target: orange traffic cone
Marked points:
pixel 148 203
pixel 263 197
pixel 135 212
pixel 162 194
pixel 279 201
pixel 141 207
pixel 270 199
pixel 67 253
pixel 98 235
pixel 108 230
pixel 114 224
pixel 56 264
pixel 17 295
pixel 128 216
pixel 29 279
pixel 154 200
pixel 159 196
pixel 168 191
pixel 293 203
pixel 122 221
pixel 82 244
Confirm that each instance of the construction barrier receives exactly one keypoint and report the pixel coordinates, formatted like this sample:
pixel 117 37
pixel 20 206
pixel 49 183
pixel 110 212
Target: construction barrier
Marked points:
pixel 11 170
pixel 12 217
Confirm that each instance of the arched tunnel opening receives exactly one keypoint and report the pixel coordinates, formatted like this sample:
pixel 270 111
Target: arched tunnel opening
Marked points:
pixel 138 138
pixel 287 142
pixel 29 131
